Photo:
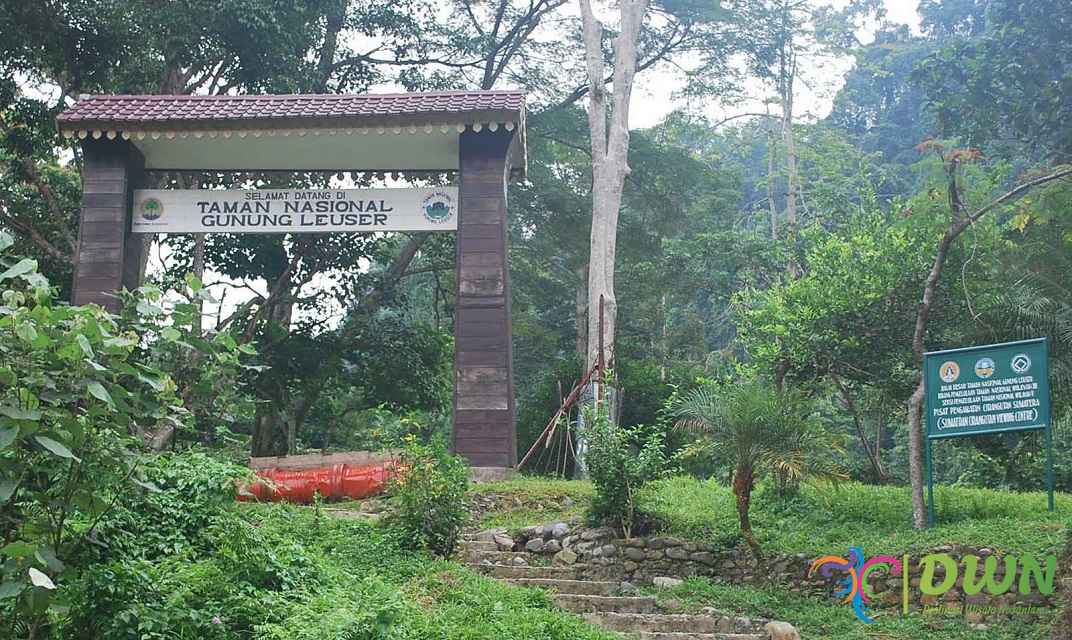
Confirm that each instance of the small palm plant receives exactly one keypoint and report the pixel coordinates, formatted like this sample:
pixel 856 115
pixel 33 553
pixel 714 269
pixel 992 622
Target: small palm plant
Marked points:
pixel 759 430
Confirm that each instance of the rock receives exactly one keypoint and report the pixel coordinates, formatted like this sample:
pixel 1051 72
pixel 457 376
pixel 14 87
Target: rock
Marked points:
pixel 655 555
pixel 544 530
pixel 607 551
pixel 552 547
pixel 672 542
pixel 564 558
pixel 525 534
pixel 636 555
pixel 677 553
pixel 535 545
pixel 519 561
pixel 560 530
pixel 568 502
pixel 373 506
pixel 626 586
pixel 781 631
pixel 655 543
pixel 504 542
pixel 666 583
pixel 630 566
pixel 704 558
pixel 593 534
pixel 489 535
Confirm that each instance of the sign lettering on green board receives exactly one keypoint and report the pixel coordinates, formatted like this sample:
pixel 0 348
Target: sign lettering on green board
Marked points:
pixel 987 389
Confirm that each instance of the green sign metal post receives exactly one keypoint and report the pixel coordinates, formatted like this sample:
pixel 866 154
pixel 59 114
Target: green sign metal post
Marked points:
pixel 995 388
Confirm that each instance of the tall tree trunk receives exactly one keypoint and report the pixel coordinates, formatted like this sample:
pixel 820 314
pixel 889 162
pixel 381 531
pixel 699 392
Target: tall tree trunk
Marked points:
pixel 790 142
pixel 580 303
pixel 664 338
pixel 610 147
pixel 880 421
pixel 915 402
pixel 861 432
pixel 772 202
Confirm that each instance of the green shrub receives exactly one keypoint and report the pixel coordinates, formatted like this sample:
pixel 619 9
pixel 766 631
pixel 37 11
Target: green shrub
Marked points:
pixel 429 504
pixel 620 461
pixel 72 397
pixel 186 495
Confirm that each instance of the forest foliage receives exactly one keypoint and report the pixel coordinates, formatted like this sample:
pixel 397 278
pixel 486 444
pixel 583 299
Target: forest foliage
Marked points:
pixel 774 248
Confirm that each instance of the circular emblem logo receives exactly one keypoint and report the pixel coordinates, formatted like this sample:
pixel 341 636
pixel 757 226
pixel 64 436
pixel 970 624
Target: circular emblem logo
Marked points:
pixel 151 208
pixel 438 207
pixel 1020 363
pixel 949 371
pixel 984 367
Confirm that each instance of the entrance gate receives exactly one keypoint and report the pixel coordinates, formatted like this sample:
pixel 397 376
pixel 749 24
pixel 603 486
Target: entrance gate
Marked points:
pixel 478 134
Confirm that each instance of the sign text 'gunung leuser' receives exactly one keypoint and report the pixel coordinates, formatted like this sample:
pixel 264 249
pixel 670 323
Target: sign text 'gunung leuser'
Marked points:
pixel 294 210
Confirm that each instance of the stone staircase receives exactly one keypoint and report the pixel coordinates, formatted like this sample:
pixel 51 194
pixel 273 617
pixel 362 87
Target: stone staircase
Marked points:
pixel 600 603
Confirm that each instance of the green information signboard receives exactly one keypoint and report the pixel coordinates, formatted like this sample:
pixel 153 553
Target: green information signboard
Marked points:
pixel 999 387
pixel 989 389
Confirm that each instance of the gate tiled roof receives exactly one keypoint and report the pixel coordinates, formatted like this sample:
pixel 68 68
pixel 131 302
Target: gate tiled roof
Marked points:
pixel 159 112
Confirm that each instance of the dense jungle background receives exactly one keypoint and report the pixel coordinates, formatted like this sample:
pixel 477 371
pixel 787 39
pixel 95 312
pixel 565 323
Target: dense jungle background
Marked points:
pixel 871 191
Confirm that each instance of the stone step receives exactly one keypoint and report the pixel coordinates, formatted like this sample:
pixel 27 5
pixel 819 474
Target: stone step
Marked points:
pixel 498 557
pixel 576 587
pixel 686 636
pixel 504 572
pixel 663 622
pixel 478 545
pixel 606 604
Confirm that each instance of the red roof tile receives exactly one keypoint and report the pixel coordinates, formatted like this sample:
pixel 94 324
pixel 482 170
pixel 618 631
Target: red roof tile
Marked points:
pixel 182 112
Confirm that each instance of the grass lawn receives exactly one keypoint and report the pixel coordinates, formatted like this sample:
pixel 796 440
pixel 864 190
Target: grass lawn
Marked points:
pixel 346 579
pixel 541 500
pixel 814 522
pixel 878 519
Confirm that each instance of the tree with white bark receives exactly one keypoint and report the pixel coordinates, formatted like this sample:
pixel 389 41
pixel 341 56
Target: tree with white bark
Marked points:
pixel 608 123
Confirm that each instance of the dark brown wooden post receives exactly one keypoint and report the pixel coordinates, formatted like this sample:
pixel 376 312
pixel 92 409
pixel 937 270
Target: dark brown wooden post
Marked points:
pixel 484 428
pixel 109 256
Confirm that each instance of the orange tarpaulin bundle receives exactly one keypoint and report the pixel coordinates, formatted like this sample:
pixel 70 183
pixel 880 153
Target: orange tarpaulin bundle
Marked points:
pixel 336 481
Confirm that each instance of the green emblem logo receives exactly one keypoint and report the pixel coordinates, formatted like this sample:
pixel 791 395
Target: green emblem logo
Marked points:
pixel 151 209
pixel 438 207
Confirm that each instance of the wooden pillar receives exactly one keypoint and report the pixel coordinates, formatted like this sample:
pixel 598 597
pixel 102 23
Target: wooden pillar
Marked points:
pixel 109 256
pixel 484 428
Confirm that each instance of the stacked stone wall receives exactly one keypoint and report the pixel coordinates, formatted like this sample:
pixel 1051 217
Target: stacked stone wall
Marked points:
pixel 637 561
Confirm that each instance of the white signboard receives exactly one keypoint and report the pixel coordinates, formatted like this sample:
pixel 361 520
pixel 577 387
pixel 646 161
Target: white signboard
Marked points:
pixel 294 210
